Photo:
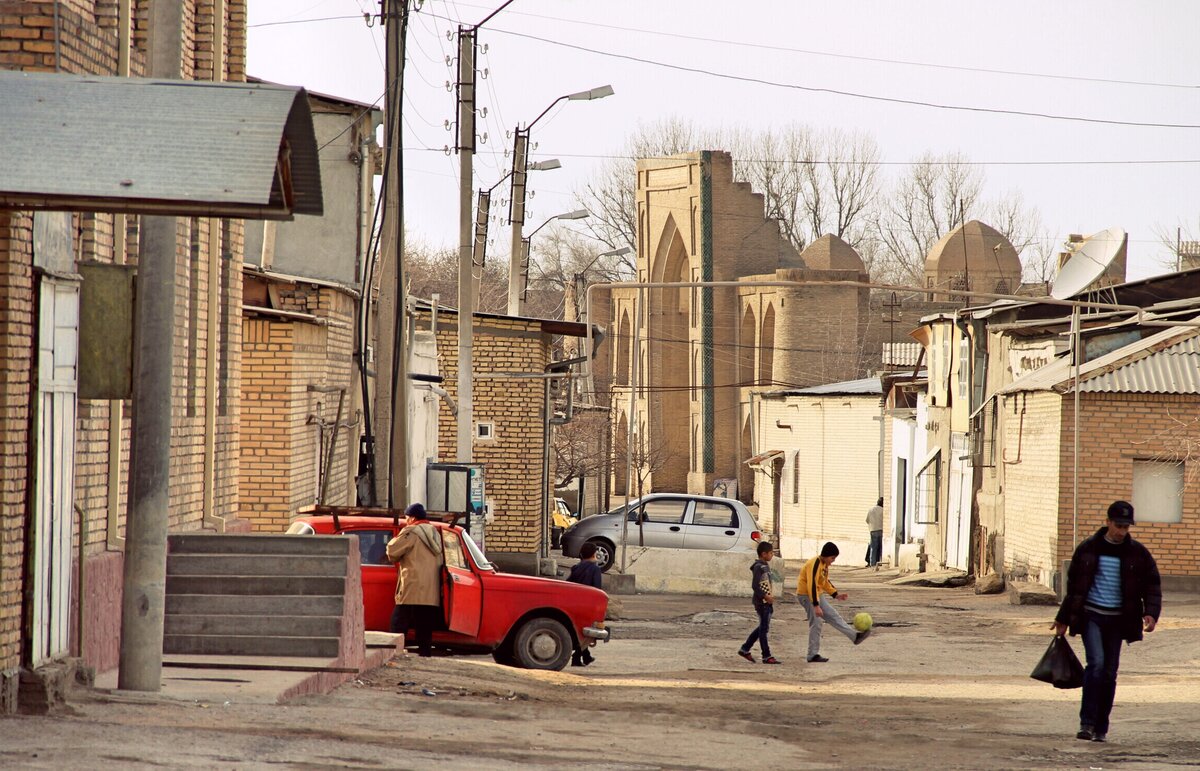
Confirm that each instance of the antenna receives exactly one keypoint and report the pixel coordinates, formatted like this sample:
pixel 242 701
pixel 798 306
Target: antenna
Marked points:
pixel 1088 262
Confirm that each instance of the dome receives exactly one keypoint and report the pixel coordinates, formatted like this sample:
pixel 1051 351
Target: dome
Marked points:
pixel 977 251
pixel 832 253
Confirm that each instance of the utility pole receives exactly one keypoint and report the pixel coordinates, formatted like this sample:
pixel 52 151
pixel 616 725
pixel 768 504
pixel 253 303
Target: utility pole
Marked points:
pixel 516 216
pixel 466 294
pixel 148 514
pixel 391 382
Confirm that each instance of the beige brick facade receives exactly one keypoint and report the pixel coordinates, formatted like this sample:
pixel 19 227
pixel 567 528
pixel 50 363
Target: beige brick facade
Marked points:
pixel 84 40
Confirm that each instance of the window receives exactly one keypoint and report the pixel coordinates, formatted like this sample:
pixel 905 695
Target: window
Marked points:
pixel 452 548
pixel 714 514
pixel 1158 490
pixel 668 511
pixel 372 546
pixel 928 479
pixel 964 369
pixel 485 431
pixel 796 477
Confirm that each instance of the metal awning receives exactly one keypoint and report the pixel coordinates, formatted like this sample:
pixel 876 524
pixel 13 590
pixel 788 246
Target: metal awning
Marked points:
pixel 764 459
pixel 170 147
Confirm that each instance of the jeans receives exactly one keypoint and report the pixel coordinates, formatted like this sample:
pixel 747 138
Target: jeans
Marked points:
pixel 875 552
pixel 815 623
pixel 759 635
pixel 1102 646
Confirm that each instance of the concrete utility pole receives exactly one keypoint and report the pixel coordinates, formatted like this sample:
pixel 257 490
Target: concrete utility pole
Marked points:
pixel 396 24
pixel 148 513
pixel 466 294
pixel 516 216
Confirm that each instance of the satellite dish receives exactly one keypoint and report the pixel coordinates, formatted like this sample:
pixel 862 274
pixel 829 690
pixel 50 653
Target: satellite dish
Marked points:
pixel 1088 262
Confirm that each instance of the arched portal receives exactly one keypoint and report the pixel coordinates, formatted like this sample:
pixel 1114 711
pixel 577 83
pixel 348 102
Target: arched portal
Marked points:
pixel 620 478
pixel 745 473
pixel 624 344
pixel 670 366
pixel 747 344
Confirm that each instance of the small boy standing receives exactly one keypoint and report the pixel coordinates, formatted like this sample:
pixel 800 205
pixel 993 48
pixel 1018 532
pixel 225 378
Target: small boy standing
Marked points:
pixel 764 604
pixel 586 572
pixel 814 590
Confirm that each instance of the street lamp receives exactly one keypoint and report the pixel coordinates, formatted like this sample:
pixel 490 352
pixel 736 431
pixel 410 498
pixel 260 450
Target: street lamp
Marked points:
pixel 517 207
pixel 578 214
pixel 483 210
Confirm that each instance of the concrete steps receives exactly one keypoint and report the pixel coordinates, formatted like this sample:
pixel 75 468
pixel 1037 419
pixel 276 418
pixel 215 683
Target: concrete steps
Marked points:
pixel 255 595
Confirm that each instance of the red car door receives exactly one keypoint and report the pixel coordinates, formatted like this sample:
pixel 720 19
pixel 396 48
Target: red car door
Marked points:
pixel 462 591
pixel 378 577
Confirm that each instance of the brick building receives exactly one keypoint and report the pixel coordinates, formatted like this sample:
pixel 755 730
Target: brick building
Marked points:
pixel 511 439
pixel 87 37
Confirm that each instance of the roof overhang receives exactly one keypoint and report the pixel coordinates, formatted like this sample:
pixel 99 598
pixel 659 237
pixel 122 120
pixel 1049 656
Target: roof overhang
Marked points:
pixel 764 459
pixel 166 147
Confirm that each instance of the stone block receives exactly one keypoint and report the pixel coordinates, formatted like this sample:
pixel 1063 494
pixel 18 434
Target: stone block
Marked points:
pixel 619 583
pixel 1029 593
pixel 992 583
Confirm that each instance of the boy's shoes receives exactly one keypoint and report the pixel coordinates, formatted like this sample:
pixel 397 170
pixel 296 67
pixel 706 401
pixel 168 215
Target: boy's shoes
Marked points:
pixel 1098 737
pixel 771 660
pixel 818 659
pixel 1086 733
pixel 747 655
pixel 861 636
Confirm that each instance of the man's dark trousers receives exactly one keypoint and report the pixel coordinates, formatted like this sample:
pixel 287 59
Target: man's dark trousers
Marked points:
pixel 1102 640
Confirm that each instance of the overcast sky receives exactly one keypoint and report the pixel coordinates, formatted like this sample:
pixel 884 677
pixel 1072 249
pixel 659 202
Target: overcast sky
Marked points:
pixel 1101 61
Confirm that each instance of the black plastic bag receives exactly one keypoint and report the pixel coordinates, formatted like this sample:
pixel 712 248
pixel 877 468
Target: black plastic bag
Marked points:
pixel 1059 666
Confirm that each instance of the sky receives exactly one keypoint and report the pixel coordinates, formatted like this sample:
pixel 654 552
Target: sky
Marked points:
pixel 1085 69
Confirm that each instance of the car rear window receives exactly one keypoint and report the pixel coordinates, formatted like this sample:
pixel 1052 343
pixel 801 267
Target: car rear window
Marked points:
pixel 714 514
pixel 372 546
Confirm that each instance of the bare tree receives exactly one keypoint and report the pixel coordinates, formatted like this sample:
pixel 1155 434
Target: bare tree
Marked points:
pixel 435 271
pixel 579 447
pixel 1180 245
pixel 935 195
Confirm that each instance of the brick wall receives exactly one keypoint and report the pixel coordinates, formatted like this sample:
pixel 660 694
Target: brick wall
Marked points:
pixel 1032 434
pixel 513 460
pixel 1115 430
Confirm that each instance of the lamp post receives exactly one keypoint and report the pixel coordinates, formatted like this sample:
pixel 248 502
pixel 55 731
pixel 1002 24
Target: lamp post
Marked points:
pixel 482 211
pixel 517 207
pixel 523 263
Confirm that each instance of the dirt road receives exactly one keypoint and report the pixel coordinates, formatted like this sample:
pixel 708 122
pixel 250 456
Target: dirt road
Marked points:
pixel 942 683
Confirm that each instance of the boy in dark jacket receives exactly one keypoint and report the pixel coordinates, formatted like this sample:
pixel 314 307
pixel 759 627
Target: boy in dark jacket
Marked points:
pixel 586 572
pixel 1114 592
pixel 764 605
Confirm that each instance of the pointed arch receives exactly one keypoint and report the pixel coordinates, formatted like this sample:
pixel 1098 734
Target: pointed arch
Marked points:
pixel 624 345
pixel 766 347
pixel 620 479
pixel 748 342
pixel 746 485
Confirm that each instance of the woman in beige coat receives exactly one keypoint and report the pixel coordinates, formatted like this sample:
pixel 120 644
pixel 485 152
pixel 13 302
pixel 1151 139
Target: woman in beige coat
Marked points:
pixel 417 552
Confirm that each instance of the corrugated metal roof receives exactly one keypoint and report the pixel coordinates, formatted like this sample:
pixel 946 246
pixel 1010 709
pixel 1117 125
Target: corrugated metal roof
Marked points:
pixel 866 387
pixel 1165 363
pixel 156 146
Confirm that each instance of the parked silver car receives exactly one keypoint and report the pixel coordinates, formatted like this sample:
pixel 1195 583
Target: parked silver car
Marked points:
pixel 670 520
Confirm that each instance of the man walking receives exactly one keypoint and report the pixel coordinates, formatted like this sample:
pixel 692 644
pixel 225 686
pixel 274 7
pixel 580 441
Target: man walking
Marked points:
pixel 875 528
pixel 417 552
pixel 1114 593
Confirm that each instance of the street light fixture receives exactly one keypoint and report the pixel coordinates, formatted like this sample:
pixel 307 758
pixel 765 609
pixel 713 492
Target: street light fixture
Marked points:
pixel 517 207
pixel 578 214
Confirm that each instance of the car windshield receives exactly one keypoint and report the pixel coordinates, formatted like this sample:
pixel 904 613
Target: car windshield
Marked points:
pixel 476 553
pixel 633 502
pixel 300 528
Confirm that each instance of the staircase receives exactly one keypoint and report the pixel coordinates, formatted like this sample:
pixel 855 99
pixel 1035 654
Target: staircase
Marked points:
pixel 260 595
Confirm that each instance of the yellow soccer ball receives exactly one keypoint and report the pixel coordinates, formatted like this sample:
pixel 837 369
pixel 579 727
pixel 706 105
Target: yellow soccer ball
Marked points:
pixel 862 621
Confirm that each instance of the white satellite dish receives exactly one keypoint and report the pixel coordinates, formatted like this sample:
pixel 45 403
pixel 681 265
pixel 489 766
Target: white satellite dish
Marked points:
pixel 1088 262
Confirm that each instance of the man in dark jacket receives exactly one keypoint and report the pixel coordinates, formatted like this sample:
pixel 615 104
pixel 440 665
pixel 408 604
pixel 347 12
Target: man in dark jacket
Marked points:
pixel 1113 593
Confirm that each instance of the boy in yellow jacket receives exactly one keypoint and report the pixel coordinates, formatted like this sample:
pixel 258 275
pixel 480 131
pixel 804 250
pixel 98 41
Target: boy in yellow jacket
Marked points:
pixel 815 590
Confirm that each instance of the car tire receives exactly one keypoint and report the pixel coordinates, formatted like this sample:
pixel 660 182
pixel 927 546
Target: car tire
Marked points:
pixel 606 553
pixel 504 654
pixel 542 643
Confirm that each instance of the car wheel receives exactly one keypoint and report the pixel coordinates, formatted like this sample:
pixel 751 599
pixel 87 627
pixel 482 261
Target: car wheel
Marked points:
pixel 543 643
pixel 605 553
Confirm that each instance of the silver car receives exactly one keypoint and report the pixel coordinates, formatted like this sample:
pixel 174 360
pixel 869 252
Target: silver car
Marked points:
pixel 667 520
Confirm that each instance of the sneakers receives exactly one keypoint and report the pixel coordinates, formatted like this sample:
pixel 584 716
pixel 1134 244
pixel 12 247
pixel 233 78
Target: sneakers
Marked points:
pixel 818 659
pixel 771 660
pixel 747 656
pixel 858 638
pixel 1098 737
pixel 1086 733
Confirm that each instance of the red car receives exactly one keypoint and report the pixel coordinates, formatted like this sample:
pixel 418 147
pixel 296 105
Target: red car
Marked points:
pixel 523 621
